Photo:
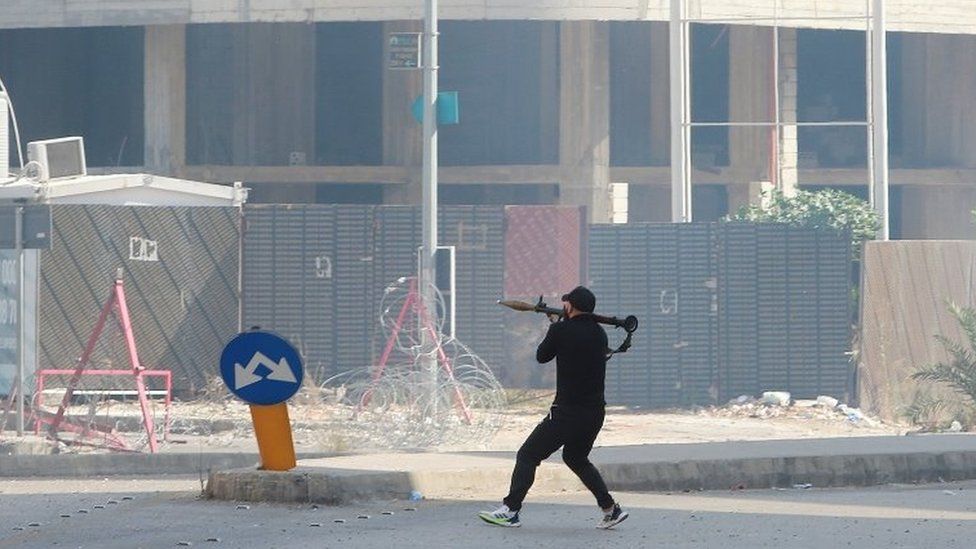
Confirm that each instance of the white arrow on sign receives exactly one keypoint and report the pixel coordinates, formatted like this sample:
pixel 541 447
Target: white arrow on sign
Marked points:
pixel 280 371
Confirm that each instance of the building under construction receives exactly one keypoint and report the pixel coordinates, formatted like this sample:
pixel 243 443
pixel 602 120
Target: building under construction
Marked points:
pixel 558 99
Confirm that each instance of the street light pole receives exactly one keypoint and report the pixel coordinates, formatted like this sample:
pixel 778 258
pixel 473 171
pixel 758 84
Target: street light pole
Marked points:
pixel 879 117
pixel 429 175
pixel 680 115
pixel 429 191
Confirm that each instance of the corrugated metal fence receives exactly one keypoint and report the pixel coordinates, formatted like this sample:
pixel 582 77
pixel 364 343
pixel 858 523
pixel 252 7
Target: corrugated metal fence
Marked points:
pixel 725 309
pixel 317 273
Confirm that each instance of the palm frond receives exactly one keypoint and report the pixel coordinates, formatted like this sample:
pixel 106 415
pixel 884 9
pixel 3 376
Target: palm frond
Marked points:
pixel 959 371
pixel 966 317
pixel 924 409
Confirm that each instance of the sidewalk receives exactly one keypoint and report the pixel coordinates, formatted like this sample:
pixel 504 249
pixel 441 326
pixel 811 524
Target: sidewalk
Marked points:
pixel 859 461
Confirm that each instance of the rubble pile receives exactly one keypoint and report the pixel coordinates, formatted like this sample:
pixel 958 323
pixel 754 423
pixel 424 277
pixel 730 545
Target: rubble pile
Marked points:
pixel 779 404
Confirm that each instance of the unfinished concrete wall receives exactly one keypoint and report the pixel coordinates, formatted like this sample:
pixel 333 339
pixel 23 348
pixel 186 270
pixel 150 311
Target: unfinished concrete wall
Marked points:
pixel 906 285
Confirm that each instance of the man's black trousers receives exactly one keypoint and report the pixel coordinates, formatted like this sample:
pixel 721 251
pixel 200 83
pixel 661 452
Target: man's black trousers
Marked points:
pixel 573 428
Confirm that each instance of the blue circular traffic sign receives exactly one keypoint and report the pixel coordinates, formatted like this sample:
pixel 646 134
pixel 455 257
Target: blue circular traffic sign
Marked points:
pixel 261 367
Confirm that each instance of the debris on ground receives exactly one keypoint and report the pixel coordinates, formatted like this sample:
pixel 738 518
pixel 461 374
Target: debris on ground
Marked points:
pixel 779 404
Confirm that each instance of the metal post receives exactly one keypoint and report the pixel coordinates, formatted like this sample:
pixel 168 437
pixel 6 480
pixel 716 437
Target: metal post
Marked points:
pixel 430 148
pixel 429 183
pixel 776 176
pixel 19 236
pixel 680 116
pixel 879 118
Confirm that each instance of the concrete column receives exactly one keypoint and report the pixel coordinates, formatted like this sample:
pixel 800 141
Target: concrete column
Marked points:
pixel 165 99
pixel 402 134
pixel 751 99
pixel 584 122
pixel 788 177
pixel 274 102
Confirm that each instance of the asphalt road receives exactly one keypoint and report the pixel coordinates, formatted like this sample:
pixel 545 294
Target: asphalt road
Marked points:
pixel 167 512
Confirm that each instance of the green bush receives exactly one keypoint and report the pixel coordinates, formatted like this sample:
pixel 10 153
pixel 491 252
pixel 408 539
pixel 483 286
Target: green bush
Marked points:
pixel 826 209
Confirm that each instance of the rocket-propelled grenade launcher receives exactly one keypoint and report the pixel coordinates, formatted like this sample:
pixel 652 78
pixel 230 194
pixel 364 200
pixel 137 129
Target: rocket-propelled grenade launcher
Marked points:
pixel 628 323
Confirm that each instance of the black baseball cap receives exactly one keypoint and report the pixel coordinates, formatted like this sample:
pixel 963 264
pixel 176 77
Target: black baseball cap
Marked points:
pixel 581 298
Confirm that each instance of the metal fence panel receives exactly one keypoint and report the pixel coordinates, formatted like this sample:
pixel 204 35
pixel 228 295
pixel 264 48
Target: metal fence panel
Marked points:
pixel 619 278
pixel 289 278
pixel 663 273
pixel 478 235
pixel 725 309
pixel 332 264
pixel 785 310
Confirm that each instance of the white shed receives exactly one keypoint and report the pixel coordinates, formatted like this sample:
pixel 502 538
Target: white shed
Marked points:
pixel 138 189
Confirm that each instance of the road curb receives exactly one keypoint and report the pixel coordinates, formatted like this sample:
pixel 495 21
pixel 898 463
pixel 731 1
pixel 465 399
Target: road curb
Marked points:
pixel 787 472
pixel 86 465
pixel 335 486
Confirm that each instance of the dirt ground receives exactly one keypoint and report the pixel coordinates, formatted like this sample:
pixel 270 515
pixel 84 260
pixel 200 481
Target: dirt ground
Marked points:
pixel 752 422
pixel 224 425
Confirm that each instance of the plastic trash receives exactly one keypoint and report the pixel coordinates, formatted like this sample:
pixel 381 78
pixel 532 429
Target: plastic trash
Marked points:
pixel 415 495
pixel 853 414
pixel 956 427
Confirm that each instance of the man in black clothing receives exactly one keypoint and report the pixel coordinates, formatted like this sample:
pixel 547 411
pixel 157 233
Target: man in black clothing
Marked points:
pixel 579 346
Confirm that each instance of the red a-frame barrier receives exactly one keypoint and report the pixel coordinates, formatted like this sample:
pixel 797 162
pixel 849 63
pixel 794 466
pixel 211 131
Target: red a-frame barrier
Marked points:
pixel 93 434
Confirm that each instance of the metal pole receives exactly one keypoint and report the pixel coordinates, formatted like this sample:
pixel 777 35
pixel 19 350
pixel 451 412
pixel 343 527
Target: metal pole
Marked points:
pixel 680 115
pixel 879 117
pixel 776 176
pixel 429 186
pixel 19 236
pixel 429 176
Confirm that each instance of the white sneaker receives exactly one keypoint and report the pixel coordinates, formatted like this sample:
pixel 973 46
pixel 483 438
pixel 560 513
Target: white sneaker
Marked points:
pixel 502 516
pixel 615 516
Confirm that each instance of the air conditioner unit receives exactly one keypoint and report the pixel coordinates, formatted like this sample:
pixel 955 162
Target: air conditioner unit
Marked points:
pixel 58 158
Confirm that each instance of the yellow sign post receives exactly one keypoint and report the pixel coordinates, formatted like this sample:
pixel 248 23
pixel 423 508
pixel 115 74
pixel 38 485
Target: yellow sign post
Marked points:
pixel 273 431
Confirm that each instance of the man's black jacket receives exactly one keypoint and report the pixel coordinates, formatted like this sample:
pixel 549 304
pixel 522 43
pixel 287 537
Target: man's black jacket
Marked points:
pixel 579 346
